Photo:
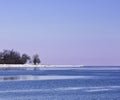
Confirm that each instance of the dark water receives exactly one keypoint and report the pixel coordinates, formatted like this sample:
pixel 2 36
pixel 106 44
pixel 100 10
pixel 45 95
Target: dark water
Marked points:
pixel 87 83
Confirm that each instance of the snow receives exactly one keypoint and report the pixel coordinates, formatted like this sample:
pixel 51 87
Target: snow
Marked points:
pixel 35 67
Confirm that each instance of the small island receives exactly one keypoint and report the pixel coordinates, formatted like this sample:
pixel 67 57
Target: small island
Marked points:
pixel 10 59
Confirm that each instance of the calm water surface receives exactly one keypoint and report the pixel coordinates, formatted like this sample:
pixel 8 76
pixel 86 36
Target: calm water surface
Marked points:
pixel 86 83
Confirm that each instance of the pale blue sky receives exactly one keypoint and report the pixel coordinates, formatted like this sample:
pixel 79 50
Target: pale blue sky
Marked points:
pixel 63 31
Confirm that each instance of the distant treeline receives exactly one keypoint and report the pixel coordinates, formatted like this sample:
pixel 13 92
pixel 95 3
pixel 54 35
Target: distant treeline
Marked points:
pixel 14 57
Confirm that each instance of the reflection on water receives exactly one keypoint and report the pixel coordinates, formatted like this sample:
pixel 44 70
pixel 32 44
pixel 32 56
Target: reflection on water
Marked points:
pixel 33 77
pixel 8 78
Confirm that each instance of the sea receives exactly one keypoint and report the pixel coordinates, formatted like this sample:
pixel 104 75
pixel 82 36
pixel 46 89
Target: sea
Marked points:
pixel 61 83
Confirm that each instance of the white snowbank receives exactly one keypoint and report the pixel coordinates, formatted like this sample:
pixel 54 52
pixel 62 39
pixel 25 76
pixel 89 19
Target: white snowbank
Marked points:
pixel 31 66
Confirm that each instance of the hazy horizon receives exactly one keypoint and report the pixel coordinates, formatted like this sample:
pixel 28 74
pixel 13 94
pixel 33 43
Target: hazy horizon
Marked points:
pixel 84 32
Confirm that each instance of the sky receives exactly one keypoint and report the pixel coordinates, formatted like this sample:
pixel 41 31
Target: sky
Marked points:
pixel 76 32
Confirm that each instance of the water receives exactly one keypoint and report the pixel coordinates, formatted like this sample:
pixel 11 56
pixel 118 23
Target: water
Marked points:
pixel 86 83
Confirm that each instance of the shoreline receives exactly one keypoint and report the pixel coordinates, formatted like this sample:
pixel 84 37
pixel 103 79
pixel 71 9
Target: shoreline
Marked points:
pixel 34 67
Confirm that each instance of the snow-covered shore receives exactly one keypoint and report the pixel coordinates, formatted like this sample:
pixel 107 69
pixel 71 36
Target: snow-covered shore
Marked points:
pixel 31 66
